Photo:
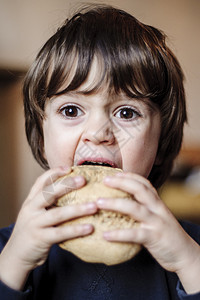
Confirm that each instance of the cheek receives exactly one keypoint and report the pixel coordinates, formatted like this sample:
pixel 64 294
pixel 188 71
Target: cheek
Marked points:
pixel 59 146
pixel 140 153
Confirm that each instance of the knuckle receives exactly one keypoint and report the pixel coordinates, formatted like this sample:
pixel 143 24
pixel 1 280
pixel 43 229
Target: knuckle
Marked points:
pixel 57 232
pixel 54 215
pixel 141 235
pixel 39 179
pixel 145 187
pixel 47 197
pixel 79 209
pixel 77 229
pixel 66 232
pixel 68 183
pixel 143 211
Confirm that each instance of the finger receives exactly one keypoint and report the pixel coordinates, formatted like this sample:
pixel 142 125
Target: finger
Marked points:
pixel 59 215
pixel 135 176
pixel 129 181
pixel 51 193
pixel 144 193
pixel 58 234
pixel 137 235
pixel 48 178
pixel 128 207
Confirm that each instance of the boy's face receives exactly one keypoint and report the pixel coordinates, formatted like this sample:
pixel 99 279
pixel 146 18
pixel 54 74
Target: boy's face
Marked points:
pixel 101 128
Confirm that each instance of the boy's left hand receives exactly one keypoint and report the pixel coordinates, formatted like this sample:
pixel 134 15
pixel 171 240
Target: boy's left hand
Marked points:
pixel 158 230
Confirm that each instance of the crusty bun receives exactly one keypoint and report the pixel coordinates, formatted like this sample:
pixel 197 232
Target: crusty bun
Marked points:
pixel 94 248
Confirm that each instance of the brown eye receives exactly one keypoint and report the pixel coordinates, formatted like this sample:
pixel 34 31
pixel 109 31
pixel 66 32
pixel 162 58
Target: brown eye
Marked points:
pixel 127 113
pixel 71 111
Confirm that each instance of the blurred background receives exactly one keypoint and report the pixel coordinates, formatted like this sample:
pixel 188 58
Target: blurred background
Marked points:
pixel 26 25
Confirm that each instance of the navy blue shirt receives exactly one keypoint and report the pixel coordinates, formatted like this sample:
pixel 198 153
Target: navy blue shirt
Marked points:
pixel 65 277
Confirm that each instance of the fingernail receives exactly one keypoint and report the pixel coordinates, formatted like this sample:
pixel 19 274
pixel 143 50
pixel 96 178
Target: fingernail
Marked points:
pixel 100 201
pixel 107 179
pixel 107 235
pixel 78 179
pixel 91 206
pixel 87 228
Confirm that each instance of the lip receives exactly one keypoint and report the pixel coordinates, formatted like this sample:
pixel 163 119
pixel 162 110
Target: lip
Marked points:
pixel 98 160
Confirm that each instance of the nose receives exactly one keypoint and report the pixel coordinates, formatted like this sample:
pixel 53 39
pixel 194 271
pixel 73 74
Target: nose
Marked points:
pixel 99 131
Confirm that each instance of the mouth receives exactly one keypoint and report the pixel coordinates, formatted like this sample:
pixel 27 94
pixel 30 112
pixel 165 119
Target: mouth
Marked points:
pixel 92 163
pixel 98 162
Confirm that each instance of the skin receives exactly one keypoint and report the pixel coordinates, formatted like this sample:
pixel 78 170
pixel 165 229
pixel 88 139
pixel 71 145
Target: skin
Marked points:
pixel 99 127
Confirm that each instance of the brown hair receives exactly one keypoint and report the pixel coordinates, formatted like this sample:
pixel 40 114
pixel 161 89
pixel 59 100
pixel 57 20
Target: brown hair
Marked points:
pixel 135 60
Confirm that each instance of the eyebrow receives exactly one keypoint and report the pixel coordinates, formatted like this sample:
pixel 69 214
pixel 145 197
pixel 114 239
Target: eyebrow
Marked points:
pixel 151 106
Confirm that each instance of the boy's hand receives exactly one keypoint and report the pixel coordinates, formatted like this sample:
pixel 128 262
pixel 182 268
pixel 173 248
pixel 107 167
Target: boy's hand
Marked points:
pixel 158 231
pixel 36 227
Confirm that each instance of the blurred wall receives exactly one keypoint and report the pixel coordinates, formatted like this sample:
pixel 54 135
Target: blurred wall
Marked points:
pixel 9 105
pixel 25 26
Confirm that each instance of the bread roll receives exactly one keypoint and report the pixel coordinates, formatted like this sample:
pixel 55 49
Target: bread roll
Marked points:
pixel 94 248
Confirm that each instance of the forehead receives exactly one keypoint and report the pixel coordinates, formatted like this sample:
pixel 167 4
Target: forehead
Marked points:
pixel 97 85
pixel 98 80
pixel 107 93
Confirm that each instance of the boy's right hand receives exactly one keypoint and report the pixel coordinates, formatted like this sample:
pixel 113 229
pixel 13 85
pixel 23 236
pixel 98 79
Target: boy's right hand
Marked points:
pixel 36 227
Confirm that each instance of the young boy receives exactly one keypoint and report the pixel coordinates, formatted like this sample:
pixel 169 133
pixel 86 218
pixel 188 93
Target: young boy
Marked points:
pixel 104 89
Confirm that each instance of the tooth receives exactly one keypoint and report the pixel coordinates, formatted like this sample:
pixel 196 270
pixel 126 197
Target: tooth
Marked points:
pixel 96 163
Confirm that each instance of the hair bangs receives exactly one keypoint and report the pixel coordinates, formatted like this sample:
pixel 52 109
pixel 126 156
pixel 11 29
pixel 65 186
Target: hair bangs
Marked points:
pixel 123 59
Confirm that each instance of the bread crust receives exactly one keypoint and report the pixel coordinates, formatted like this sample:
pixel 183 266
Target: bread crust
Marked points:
pixel 94 248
